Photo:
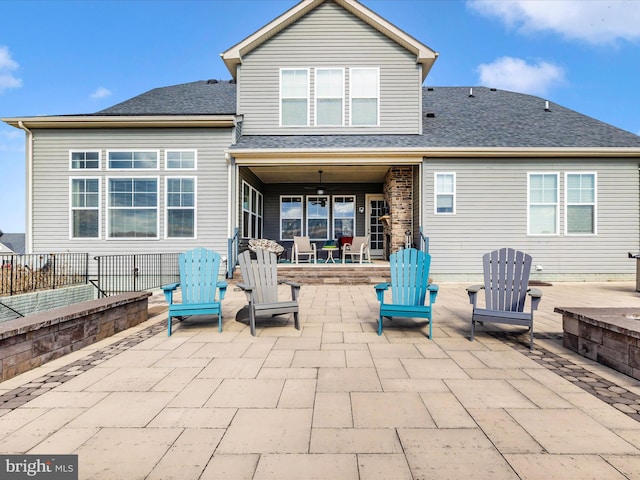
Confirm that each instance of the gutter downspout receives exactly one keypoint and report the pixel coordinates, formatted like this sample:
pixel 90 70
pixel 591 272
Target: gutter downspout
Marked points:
pixel 29 188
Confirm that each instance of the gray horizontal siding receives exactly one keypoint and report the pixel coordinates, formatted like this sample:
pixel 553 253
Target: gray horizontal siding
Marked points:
pixel 330 37
pixel 492 213
pixel 51 186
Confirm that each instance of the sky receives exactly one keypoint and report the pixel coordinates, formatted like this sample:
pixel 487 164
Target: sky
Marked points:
pixel 81 56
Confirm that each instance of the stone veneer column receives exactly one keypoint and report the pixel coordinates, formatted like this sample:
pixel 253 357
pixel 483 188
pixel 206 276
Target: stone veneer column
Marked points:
pixel 398 193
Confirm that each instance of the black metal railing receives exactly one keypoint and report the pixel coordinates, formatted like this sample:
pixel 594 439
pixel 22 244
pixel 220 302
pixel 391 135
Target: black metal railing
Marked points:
pixel 31 272
pixel 135 272
pixel 424 242
pixel 232 253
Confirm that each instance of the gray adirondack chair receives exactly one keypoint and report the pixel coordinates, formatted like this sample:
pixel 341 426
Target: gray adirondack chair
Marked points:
pixel 506 286
pixel 260 284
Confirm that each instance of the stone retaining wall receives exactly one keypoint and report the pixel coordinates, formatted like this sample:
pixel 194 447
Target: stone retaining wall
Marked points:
pixel 31 341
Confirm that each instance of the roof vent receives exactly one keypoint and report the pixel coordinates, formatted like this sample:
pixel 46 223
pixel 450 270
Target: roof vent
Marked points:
pixel 492 89
pixel 430 115
pixel 546 106
pixel 429 89
pixel 471 92
pixel 211 81
pixel 232 81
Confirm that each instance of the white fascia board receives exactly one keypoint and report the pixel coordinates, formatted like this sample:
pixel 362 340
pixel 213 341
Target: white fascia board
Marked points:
pixel 122 121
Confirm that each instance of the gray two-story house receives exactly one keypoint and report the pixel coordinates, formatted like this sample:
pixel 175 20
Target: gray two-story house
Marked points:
pixel 325 129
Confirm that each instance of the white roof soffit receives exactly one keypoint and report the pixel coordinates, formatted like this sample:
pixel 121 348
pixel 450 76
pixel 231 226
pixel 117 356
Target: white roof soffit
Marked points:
pixel 122 121
pixel 412 154
pixel 424 55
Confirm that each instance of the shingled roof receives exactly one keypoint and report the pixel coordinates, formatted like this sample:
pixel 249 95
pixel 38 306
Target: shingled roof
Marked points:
pixel 453 117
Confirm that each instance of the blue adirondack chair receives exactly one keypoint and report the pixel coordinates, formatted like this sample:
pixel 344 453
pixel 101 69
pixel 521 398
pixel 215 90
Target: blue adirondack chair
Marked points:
pixel 506 285
pixel 198 284
pixel 409 287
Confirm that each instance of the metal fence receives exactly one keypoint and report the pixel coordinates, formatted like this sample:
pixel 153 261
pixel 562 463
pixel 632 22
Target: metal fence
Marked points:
pixel 27 273
pixel 135 272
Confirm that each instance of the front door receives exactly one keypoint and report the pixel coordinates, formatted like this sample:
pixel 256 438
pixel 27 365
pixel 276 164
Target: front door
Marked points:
pixel 375 209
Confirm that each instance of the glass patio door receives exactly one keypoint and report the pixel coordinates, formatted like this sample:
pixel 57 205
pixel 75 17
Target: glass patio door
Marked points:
pixel 374 210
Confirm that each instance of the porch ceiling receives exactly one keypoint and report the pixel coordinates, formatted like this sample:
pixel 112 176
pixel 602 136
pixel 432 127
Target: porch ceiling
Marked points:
pixel 330 173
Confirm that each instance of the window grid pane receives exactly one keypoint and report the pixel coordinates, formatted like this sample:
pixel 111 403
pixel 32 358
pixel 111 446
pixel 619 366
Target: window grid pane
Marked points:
pixel 294 91
pixel 543 204
pixel 581 197
pixel 290 217
pixel 133 208
pixel 85 205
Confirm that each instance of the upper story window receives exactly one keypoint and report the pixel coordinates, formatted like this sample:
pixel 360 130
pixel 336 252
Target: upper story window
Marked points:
pixel 138 159
pixel 445 193
pixel 294 97
pixel 543 204
pixel 133 207
pixel 85 160
pixel 580 215
pixel 329 88
pixel 180 159
pixel 85 208
pixel 364 87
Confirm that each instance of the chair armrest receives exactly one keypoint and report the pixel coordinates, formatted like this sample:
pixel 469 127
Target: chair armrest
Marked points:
pixel 168 291
pixel 295 288
pixel 244 287
pixel 171 286
pixel 472 291
pixel 433 292
pixel 313 246
pixel 289 282
pixel 222 288
pixel 536 296
pixel 380 289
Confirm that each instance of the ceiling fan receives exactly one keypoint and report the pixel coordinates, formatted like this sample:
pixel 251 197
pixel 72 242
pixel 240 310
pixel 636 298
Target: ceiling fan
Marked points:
pixel 320 188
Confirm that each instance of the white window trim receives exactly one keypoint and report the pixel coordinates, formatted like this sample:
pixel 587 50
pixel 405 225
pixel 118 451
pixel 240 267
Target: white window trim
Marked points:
pixel 333 212
pixel 557 204
pixel 72 208
pixel 315 99
pixel 119 150
pixel 182 169
pixel 108 208
pixel 301 218
pixel 567 204
pixel 167 208
pixel 351 97
pixel 88 150
pixel 328 218
pixel 280 98
pixel 436 193
pixel 250 211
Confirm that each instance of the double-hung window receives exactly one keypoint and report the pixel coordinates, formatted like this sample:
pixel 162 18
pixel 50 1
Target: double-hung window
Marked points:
pixel 181 207
pixel 445 193
pixel 318 217
pixel 84 160
pixel 133 159
pixel 132 207
pixel 252 207
pixel 329 89
pixel 85 208
pixel 344 216
pixel 364 88
pixel 180 159
pixel 543 204
pixel 580 203
pixel 294 97
pixel 290 217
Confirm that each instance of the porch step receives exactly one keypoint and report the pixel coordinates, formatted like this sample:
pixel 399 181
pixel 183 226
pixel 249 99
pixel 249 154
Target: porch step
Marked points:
pixel 310 274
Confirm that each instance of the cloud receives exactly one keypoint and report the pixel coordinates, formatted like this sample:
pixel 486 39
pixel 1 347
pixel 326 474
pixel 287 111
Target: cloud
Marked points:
pixel 595 21
pixel 7 65
pixel 101 92
pixel 515 74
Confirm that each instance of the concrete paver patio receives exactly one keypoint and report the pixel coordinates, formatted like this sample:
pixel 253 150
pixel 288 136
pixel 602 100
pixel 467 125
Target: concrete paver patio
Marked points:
pixel 335 400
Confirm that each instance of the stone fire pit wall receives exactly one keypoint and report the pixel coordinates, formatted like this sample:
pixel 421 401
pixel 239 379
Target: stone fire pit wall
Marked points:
pixel 610 336
pixel 31 341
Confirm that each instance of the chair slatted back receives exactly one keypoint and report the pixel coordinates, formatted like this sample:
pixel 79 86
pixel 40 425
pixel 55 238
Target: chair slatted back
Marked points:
pixel 261 274
pixel 199 275
pixel 409 276
pixel 506 279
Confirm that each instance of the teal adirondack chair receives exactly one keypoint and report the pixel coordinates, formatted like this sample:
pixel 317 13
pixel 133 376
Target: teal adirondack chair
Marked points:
pixel 409 287
pixel 198 284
